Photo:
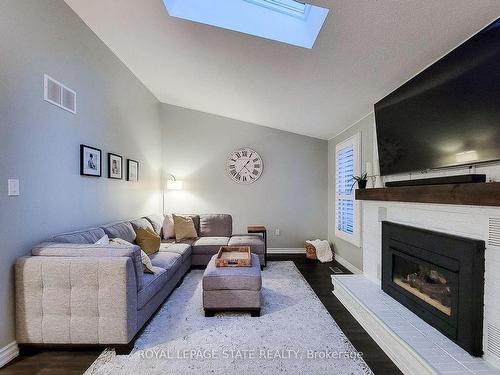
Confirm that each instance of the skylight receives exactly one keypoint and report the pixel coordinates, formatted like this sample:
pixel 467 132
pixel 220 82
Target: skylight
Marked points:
pixel 288 7
pixel 286 21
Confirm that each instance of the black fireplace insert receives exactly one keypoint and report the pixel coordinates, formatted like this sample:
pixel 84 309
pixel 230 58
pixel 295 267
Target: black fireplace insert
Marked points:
pixel 440 277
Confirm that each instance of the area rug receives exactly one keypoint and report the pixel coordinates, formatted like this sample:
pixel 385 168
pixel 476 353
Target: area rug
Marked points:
pixel 294 335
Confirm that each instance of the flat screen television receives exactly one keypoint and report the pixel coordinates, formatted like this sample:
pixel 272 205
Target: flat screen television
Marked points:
pixel 448 115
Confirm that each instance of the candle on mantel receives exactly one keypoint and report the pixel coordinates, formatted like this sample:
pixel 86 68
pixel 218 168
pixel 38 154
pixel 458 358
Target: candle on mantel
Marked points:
pixel 369 169
pixel 376 168
pixel 376 173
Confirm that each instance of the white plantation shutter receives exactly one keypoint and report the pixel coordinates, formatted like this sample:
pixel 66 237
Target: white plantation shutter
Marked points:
pixel 347 160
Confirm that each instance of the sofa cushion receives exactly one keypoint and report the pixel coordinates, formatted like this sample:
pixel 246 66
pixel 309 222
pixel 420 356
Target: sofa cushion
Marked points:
pixel 168 261
pixel 156 221
pixel 122 229
pixel 87 236
pixel 216 225
pixel 142 223
pixel 152 284
pixel 184 250
pixel 232 278
pixel 256 242
pixel 209 245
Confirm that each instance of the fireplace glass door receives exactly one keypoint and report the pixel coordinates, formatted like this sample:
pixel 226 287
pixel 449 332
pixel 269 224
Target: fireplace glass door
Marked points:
pixel 427 282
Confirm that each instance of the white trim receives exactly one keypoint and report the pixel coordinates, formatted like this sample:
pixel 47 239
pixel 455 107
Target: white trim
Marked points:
pixel 355 237
pixel 350 126
pixel 286 250
pixel 8 353
pixel 407 360
pixel 351 267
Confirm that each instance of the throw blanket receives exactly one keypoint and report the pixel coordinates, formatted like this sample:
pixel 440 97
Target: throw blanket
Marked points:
pixel 323 250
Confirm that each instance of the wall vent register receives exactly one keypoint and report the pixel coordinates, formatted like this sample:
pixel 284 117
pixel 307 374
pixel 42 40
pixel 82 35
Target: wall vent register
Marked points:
pixel 494 232
pixel 493 341
pixel 58 94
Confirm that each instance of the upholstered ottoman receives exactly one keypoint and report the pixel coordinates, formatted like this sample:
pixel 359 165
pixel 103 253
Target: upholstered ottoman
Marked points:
pixel 232 288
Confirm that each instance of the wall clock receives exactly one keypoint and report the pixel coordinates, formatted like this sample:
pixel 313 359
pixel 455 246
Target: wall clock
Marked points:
pixel 244 166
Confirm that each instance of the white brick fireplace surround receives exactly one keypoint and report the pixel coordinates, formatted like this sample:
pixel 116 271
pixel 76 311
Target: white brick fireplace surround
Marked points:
pixel 373 310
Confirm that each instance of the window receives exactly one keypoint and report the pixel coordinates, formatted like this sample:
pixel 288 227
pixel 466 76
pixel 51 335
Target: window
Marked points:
pixel 347 213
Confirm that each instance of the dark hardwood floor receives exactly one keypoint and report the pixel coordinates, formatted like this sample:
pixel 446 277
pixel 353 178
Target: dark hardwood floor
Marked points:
pixel 73 362
pixel 49 362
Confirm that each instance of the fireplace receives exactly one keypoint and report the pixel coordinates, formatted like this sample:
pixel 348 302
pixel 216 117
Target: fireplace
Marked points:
pixel 439 277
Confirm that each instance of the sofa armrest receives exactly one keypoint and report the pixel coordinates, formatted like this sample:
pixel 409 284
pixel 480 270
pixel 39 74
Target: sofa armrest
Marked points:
pixel 75 300
pixel 54 249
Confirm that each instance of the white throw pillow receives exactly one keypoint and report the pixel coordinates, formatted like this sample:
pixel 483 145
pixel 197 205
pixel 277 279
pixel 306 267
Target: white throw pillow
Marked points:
pixel 147 266
pixel 168 227
pixel 104 240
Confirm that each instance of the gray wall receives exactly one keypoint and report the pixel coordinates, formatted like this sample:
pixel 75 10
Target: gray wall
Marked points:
pixel 39 143
pixel 366 127
pixel 291 193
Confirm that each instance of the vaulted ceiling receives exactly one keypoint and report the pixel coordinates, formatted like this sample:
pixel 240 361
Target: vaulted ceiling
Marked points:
pixel 366 49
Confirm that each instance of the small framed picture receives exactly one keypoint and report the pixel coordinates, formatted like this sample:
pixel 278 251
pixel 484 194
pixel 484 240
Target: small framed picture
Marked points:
pixel 132 170
pixel 115 166
pixel 90 161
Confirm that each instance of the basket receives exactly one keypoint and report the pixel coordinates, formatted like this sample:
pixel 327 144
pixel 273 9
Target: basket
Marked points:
pixel 310 251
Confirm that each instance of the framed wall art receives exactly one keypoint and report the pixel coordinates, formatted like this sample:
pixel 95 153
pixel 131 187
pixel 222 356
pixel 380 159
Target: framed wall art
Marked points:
pixel 90 161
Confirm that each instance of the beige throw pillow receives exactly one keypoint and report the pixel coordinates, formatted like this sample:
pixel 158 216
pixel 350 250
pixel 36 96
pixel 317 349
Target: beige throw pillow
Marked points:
pixel 168 227
pixel 184 228
pixel 147 266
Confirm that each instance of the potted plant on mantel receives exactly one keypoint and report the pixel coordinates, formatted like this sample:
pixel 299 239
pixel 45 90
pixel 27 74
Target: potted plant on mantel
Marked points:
pixel 361 180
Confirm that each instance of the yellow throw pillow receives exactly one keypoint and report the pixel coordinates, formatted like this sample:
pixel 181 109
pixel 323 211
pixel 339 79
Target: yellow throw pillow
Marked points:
pixel 184 228
pixel 147 266
pixel 147 240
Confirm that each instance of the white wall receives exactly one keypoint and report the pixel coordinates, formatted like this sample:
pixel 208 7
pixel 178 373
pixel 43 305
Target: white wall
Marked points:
pixel 39 143
pixel 291 193
pixel 348 251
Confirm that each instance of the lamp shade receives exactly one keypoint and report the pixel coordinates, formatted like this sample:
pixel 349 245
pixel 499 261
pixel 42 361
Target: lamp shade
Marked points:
pixel 174 185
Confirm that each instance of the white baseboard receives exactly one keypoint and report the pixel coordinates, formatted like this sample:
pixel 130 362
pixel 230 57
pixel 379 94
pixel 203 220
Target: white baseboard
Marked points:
pixel 286 250
pixel 8 353
pixel 348 265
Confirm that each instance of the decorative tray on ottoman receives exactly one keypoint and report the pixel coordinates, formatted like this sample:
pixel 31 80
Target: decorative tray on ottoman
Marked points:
pixel 234 256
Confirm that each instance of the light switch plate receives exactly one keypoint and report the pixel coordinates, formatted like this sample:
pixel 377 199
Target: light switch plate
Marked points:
pixel 13 187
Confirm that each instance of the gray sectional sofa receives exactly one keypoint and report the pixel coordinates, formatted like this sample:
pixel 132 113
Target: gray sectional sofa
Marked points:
pixel 72 291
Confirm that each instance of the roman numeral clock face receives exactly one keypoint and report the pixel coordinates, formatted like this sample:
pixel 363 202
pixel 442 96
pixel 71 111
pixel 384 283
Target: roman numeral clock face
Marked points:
pixel 244 166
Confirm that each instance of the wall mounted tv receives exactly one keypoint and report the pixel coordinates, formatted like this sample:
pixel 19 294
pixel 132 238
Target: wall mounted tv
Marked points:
pixel 448 115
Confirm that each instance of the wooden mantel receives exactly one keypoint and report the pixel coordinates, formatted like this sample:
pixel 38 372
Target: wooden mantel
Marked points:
pixel 476 194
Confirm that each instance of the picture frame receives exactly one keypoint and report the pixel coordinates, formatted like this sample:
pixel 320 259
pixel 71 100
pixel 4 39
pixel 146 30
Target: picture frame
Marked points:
pixel 115 166
pixel 90 161
pixel 132 170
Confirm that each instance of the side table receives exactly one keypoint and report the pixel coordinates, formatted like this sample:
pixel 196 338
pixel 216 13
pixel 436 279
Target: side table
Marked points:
pixel 260 229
